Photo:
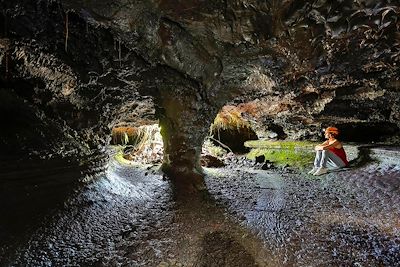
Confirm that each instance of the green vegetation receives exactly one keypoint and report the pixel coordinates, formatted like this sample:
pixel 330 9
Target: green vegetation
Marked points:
pixel 121 158
pixel 213 150
pixel 136 136
pixel 119 155
pixel 298 154
pixel 230 117
pixel 139 144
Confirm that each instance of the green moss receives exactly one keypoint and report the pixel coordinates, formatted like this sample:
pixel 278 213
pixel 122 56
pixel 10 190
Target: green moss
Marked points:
pixel 293 153
pixel 214 150
pixel 119 155
pixel 299 145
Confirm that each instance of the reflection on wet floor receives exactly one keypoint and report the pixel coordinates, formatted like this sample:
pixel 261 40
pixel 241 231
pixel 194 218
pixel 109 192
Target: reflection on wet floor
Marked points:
pixel 128 217
pixel 116 212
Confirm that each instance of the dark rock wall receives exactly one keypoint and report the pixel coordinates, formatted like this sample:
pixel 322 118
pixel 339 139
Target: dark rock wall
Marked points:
pixel 78 85
pixel 307 64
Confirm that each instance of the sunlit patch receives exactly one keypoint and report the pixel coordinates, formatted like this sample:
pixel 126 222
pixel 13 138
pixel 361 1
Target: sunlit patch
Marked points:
pixel 140 188
pixel 215 173
pixel 138 144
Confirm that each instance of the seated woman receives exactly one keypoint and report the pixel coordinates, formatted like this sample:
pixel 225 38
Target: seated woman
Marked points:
pixel 330 154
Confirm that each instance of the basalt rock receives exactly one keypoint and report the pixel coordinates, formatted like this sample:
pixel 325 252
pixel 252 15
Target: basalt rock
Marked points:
pixel 211 161
pixel 82 67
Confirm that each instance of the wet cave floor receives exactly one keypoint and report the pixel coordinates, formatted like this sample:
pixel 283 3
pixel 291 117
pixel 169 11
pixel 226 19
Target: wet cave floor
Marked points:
pixel 251 217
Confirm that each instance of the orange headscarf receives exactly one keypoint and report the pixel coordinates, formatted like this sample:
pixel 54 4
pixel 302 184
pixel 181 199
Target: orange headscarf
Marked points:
pixel 333 130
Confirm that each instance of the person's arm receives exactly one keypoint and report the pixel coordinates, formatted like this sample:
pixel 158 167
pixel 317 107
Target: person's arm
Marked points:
pixel 327 146
pixel 320 146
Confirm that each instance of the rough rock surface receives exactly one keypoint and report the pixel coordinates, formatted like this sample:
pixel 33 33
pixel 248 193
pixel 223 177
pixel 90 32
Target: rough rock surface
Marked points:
pixel 129 217
pixel 81 67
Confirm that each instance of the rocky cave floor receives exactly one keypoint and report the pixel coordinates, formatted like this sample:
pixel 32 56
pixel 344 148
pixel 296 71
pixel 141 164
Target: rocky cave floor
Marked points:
pixel 251 217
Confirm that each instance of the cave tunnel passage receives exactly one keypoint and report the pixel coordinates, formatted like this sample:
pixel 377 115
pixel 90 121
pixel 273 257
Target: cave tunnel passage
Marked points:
pixel 142 144
pixel 367 132
pixel 230 130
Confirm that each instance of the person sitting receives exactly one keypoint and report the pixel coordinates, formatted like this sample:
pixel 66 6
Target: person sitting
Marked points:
pixel 330 154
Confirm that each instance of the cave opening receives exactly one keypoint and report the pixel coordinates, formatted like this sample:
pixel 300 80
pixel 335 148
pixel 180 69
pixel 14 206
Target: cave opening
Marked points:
pixel 230 130
pixel 368 132
pixel 140 144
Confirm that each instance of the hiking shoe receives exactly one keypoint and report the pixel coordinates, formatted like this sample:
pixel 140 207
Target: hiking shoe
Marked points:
pixel 313 170
pixel 321 171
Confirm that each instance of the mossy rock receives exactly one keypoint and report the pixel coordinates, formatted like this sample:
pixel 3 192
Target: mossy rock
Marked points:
pixel 298 154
